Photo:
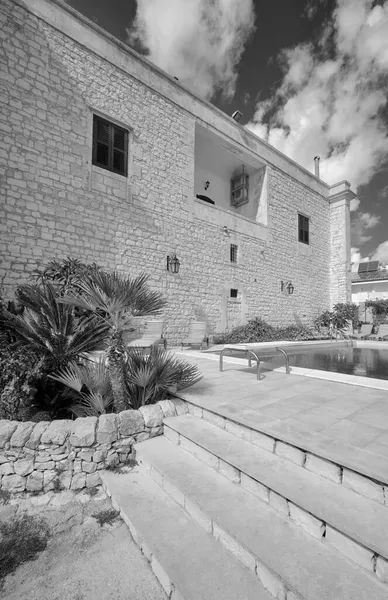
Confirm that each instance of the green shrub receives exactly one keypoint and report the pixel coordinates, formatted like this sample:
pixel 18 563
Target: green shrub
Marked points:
pixel 257 330
pixel 339 317
pixel 379 307
pixel 21 539
pixel 65 275
pixel 19 371
pixel 151 377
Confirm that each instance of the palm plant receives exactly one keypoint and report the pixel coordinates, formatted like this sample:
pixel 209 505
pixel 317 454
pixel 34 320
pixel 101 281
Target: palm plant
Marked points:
pixel 92 385
pixel 115 299
pixel 151 377
pixel 50 329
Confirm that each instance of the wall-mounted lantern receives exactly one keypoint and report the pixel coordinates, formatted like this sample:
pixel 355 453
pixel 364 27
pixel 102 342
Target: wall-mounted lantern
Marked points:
pixel 173 264
pixel 287 287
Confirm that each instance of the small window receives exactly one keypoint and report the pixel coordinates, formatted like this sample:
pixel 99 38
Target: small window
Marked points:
pixel 233 253
pixel 233 293
pixel 303 228
pixel 110 146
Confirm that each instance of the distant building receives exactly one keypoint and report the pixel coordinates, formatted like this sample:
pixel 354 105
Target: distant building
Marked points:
pixel 106 158
pixel 369 282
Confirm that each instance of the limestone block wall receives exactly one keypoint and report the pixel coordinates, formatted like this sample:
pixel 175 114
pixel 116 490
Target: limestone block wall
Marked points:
pixel 65 454
pixel 340 273
pixel 57 204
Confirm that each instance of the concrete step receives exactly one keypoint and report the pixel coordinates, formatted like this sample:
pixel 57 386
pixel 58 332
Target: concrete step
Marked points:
pixel 286 558
pixel 324 507
pixel 189 563
pixel 372 466
pixel 365 472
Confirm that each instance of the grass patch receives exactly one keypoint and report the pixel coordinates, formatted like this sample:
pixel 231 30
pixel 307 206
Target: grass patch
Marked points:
pixel 106 516
pixel 21 540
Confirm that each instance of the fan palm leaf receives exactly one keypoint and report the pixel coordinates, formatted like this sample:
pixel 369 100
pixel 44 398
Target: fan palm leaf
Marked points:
pixel 150 377
pixel 92 383
pixel 115 299
pixel 50 328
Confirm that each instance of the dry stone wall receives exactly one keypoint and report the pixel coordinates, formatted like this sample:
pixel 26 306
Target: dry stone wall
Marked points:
pixel 68 455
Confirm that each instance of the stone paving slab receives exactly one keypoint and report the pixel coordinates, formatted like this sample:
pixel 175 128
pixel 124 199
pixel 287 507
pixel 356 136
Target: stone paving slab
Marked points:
pixel 188 562
pixel 304 564
pixel 333 503
pixel 342 415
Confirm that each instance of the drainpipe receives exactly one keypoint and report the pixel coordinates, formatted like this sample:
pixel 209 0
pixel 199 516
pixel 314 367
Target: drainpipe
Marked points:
pixel 316 163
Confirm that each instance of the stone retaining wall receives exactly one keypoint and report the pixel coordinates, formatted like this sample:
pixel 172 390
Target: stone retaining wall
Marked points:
pixel 65 454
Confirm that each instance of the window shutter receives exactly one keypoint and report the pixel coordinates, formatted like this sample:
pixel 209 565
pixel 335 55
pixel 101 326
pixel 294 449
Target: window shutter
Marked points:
pixel 110 146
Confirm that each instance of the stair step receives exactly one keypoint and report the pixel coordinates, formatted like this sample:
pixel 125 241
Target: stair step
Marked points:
pixel 259 536
pixel 189 563
pixel 358 517
pixel 356 459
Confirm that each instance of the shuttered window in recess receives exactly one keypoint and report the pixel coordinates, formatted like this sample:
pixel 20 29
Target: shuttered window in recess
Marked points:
pixel 110 146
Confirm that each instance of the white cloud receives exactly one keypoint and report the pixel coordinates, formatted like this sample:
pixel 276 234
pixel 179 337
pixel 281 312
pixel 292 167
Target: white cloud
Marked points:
pixel 329 102
pixel 354 204
pixel 381 253
pixel 361 223
pixel 356 256
pixel 198 41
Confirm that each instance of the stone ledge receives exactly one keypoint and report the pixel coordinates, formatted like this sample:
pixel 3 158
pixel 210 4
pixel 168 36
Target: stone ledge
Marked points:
pixel 314 525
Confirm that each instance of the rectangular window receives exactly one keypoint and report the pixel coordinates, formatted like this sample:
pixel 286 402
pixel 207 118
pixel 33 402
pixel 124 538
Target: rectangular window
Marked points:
pixel 110 146
pixel 233 253
pixel 303 228
pixel 233 293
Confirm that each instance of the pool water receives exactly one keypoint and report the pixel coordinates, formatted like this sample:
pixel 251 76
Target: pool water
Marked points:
pixel 366 362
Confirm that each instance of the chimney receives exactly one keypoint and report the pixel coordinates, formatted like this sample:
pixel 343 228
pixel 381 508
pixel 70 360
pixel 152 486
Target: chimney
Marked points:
pixel 316 163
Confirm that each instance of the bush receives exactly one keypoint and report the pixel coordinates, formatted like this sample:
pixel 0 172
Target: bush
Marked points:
pixel 150 377
pixel 339 317
pixel 21 540
pixel 65 275
pixel 20 369
pixel 379 307
pixel 257 330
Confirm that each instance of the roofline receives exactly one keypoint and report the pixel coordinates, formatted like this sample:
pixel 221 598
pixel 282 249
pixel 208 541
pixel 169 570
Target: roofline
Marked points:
pixel 35 7
pixel 369 281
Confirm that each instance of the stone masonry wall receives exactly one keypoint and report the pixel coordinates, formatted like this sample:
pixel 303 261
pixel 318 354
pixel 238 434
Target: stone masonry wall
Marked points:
pixel 56 204
pixel 64 454
pixel 341 287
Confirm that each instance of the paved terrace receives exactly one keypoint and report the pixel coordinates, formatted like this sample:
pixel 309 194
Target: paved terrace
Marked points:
pixel 341 422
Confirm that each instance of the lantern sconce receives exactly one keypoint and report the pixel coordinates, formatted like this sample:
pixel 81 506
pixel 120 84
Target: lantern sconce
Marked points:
pixel 287 287
pixel 173 264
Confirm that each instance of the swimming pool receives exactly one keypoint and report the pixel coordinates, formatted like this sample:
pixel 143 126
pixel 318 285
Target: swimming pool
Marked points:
pixel 360 358
pixel 365 362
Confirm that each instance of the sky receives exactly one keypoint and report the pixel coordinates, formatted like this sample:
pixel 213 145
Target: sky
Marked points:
pixel 309 76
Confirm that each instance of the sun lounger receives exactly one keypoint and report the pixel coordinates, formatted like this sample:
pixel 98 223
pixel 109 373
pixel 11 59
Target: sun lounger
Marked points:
pixel 197 334
pixel 366 331
pixel 383 331
pixel 152 336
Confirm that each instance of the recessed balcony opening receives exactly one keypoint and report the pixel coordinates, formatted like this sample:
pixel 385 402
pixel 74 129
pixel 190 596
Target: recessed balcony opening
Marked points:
pixel 229 178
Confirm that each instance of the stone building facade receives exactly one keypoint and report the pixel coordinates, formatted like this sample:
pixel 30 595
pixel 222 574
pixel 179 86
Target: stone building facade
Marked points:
pixel 59 72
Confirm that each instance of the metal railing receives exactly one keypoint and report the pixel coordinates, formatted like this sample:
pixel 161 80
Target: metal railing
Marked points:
pixel 251 352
